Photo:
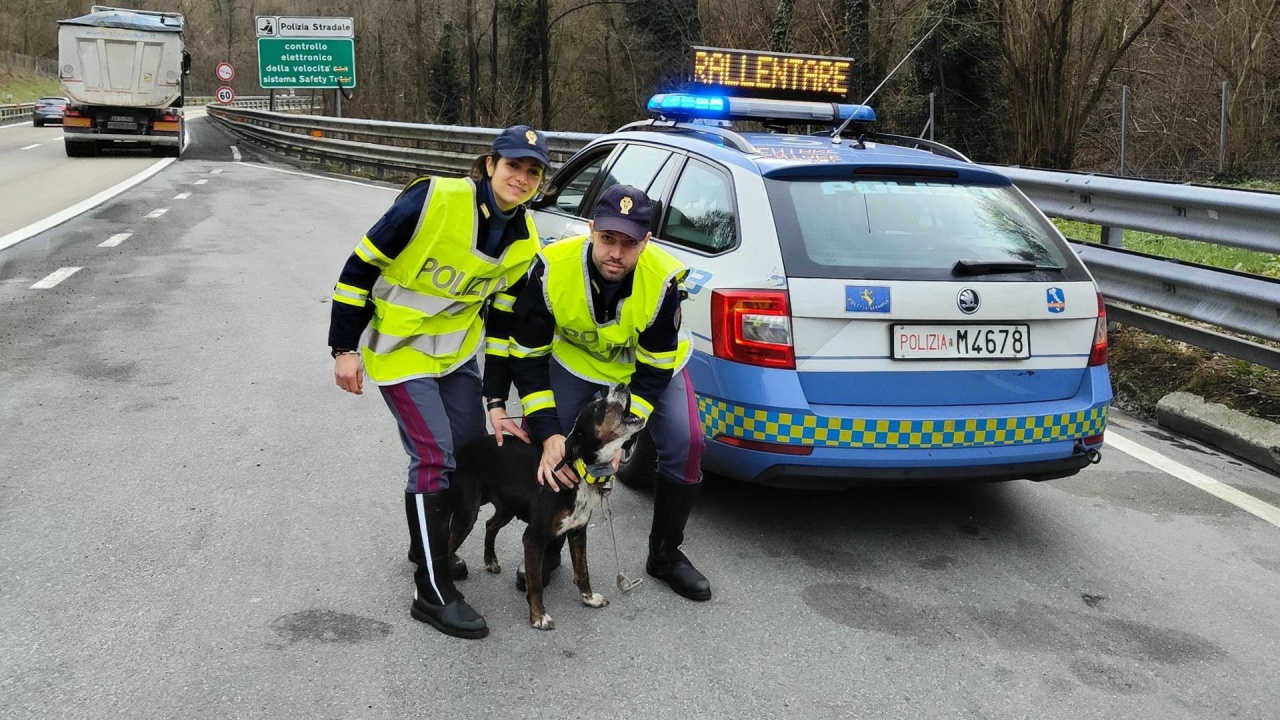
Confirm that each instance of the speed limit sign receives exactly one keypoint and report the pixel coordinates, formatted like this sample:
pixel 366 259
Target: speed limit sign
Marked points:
pixel 225 95
pixel 225 72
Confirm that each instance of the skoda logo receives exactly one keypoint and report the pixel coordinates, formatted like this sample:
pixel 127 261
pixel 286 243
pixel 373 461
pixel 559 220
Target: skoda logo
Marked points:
pixel 968 301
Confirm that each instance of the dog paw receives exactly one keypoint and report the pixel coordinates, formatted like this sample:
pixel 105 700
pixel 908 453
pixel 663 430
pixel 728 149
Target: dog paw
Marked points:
pixel 595 600
pixel 544 623
pixel 493 567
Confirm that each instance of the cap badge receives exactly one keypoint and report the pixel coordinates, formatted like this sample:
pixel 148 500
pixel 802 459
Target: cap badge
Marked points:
pixel 531 136
pixel 625 205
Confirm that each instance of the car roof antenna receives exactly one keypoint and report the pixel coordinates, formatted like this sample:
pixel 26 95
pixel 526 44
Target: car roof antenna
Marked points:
pixel 835 136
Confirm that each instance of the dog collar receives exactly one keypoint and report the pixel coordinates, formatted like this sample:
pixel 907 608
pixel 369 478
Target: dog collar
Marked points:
pixel 593 474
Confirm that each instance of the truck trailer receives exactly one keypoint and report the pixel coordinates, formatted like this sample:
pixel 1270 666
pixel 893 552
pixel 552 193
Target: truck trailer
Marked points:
pixel 125 74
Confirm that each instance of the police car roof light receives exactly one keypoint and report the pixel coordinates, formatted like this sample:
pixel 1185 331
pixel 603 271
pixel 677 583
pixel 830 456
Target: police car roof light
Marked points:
pixel 683 105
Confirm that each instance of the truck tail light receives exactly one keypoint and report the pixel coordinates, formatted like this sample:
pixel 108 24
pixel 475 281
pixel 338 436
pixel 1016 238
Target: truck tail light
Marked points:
pixel 752 327
pixel 1098 356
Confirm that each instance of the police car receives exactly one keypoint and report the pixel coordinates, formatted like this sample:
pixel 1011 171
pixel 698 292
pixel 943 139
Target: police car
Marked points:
pixel 864 309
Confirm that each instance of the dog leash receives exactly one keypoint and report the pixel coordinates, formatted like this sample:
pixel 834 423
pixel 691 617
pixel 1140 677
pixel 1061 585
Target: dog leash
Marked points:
pixel 625 584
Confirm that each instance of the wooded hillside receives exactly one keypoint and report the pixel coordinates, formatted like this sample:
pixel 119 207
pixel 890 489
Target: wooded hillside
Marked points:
pixel 1032 82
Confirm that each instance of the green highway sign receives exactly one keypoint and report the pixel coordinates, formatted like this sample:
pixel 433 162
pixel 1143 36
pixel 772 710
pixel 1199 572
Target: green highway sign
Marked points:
pixel 306 62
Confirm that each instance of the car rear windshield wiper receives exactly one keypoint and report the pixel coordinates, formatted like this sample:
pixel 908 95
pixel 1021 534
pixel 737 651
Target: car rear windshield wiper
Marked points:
pixel 988 267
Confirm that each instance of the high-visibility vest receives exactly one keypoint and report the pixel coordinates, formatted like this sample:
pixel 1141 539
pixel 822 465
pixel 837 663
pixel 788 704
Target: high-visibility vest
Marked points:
pixel 427 303
pixel 606 354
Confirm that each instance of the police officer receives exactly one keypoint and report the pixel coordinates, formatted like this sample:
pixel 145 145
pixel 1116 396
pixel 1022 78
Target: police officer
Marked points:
pixel 603 309
pixel 420 281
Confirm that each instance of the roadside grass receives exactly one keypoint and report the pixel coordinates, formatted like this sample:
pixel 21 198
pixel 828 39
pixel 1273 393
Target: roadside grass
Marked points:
pixel 26 87
pixel 1146 367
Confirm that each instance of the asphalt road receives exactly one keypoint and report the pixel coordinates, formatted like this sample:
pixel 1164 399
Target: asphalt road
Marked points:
pixel 195 523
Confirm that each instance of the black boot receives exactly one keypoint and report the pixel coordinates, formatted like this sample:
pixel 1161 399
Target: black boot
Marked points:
pixel 457 566
pixel 436 601
pixel 672 503
pixel 550 561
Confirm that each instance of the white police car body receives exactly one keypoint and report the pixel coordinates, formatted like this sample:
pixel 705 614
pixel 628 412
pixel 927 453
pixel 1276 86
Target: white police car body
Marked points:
pixel 861 312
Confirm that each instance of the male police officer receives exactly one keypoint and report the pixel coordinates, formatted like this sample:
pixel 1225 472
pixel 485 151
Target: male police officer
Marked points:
pixel 606 308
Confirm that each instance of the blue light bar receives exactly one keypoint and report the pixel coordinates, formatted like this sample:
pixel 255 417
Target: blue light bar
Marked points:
pixel 686 106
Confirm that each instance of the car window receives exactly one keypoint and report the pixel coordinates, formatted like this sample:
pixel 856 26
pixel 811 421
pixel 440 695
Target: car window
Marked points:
pixel 637 166
pixel 575 187
pixel 701 213
pixel 837 228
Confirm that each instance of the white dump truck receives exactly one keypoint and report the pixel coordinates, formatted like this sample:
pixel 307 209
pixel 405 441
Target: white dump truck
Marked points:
pixel 124 71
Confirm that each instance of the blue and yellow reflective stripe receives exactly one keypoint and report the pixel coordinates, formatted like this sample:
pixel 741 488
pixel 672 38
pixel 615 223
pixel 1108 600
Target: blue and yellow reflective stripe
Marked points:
pixel 497 347
pixel 504 302
pixel 369 253
pixel 641 407
pixel 519 351
pixel 659 360
pixel 350 295
pixel 723 418
pixel 535 401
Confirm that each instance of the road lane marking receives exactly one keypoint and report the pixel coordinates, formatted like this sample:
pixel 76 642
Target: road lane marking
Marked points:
pixel 215 172
pixel 182 196
pixel 115 240
pixel 55 277
pixel 1242 500
pixel 30 146
pixel 57 219
pixel 323 177
pixel 235 153
pixel 201 182
pixel 157 213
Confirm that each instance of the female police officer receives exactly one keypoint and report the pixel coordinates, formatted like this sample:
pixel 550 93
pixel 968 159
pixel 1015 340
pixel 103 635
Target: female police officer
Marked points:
pixel 419 281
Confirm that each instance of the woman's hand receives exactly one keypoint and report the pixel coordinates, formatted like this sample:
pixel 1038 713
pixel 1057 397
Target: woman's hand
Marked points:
pixel 502 423
pixel 552 454
pixel 348 373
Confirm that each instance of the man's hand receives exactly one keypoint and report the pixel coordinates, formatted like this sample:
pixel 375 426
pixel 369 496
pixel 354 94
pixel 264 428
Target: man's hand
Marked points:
pixel 552 454
pixel 348 373
pixel 502 423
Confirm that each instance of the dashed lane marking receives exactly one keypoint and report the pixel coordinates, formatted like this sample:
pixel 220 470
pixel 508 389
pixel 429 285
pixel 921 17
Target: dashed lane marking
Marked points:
pixel 55 277
pixel 215 172
pixel 30 146
pixel 56 219
pixel 157 212
pixel 182 196
pixel 201 182
pixel 115 240
pixel 1242 500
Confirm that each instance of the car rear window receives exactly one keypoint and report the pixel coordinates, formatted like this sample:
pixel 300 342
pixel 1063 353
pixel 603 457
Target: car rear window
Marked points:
pixel 905 228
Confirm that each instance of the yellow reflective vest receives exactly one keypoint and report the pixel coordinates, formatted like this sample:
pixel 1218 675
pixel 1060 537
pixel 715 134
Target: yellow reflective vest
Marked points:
pixel 427 303
pixel 607 354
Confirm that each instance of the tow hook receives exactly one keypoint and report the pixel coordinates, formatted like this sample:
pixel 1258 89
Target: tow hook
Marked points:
pixel 1094 456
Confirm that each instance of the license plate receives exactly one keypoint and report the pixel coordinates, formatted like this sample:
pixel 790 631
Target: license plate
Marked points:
pixel 963 342
pixel 122 118
pixel 113 125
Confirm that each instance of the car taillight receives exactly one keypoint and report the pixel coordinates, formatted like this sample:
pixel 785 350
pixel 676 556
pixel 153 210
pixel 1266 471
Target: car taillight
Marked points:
pixel 1099 354
pixel 752 327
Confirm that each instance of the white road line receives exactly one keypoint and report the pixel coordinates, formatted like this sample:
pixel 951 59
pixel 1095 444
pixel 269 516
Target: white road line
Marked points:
pixel 36 228
pixel 182 196
pixel 215 172
pixel 115 240
pixel 1242 500
pixel 323 177
pixel 55 277
pixel 30 146
pixel 235 153
pixel 201 182
pixel 157 213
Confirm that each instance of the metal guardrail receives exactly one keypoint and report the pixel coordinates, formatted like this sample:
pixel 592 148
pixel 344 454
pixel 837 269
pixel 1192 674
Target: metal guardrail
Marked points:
pixel 1238 302
pixel 15 112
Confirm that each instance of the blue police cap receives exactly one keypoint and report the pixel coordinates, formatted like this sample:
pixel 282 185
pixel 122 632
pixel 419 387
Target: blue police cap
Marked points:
pixel 624 209
pixel 522 141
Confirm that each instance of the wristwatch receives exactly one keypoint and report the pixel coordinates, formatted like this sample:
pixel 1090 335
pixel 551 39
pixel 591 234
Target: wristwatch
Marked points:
pixel 335 352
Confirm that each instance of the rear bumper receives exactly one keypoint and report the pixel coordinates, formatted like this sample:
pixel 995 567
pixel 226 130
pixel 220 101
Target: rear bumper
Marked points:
pixel 74 135
pixel 885 445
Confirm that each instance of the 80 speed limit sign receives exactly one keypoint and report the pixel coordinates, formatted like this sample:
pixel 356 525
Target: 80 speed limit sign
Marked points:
pixel 225 95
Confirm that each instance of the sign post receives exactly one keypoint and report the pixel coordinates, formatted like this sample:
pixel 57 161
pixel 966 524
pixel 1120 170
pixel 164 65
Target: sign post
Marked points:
pixel 306 52
pixel 225 95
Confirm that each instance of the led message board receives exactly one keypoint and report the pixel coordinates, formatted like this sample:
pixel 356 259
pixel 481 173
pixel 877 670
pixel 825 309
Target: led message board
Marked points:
pixel 749 73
